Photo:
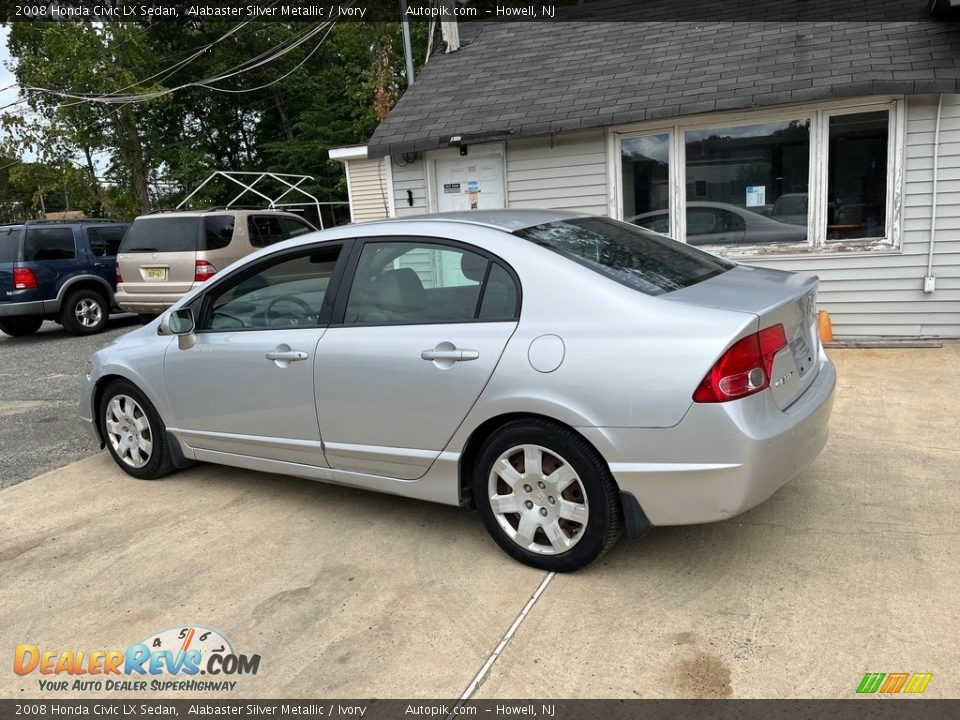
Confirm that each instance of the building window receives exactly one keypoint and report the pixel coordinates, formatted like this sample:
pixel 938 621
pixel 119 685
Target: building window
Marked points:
pixel 857 176
pixel 743 183
pixel 809 179
pixel 645 173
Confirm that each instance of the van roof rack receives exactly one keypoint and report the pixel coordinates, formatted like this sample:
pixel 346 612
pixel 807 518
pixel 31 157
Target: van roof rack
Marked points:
pixel 253 182
pixel 66 221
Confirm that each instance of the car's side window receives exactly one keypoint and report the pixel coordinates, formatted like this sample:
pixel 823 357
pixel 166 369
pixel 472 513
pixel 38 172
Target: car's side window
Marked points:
pixel 218 231
pixel 264 230
pixel 282 293
pixel 422 282
pixel 294 228
pixel 48 244
pixel 105 241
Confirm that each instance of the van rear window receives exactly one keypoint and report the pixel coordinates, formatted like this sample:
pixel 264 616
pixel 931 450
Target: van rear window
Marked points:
pixel 162 234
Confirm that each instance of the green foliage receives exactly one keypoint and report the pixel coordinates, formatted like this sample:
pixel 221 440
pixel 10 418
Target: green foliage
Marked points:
pixel 335 94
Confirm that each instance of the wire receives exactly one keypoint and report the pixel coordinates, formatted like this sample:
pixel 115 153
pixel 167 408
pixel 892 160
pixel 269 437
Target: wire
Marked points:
pixel 258 61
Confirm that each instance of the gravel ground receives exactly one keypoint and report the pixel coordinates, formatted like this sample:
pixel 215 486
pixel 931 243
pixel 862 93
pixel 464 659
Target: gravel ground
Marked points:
pixel 39 377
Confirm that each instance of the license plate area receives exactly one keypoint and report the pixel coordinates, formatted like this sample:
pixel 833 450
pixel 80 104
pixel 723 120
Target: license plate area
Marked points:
pixel 155 274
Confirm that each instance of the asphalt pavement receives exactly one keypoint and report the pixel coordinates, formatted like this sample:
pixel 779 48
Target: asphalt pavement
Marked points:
pixel 39 380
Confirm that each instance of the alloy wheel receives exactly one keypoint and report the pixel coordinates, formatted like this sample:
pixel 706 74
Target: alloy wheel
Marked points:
pixel 88 312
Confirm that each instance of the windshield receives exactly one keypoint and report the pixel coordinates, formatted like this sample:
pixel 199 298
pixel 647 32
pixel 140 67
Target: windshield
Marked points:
pixel 634 256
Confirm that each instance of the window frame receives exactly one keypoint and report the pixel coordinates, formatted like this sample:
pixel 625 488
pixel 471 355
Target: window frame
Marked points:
pixel 343 293
pixel 818 114
pixel 202 304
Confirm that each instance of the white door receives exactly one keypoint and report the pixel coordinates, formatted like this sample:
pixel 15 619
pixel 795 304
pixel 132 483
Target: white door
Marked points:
pixel 470 183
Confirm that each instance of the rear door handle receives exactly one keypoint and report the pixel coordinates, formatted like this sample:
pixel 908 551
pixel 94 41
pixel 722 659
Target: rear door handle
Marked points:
pixel 455 355
pixel 288 355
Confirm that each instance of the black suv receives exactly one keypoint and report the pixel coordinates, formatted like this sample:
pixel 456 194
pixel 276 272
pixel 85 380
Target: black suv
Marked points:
pixel 63 270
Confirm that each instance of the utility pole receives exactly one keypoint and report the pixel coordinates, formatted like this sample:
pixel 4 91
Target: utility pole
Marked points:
pixel 407 45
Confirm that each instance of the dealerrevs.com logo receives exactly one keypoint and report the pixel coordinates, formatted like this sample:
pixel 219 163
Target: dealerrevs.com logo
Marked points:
pixel 171 659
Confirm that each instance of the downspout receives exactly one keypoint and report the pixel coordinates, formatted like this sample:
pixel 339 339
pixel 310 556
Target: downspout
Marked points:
pixel 929 283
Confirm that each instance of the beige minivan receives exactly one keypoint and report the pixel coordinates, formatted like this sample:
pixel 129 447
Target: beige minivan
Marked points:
pixel 164 255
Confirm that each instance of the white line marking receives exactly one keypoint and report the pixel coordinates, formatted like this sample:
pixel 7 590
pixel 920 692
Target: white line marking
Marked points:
pixel 485 670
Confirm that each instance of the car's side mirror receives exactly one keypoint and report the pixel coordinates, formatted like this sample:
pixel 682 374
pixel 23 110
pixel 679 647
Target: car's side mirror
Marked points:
pixel 180 322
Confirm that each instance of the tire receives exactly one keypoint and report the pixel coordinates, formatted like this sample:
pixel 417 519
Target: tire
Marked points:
pixel 127 425
pixel 146 318
pixel 84 312
pixel 579 508
pixel 21 326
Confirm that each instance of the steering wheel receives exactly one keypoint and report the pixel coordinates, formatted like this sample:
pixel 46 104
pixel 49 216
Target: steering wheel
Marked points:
pixel 295 318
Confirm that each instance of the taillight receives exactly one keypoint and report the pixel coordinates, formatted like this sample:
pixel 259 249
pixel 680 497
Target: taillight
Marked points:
pixel 24 279
pixel 119 276
pixel 744 369
pixel 203 271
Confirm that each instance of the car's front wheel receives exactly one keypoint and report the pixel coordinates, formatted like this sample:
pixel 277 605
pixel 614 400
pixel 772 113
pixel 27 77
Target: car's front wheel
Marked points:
pixel 21 326
pixel 134 432
pixel 84 312
pixel 546 496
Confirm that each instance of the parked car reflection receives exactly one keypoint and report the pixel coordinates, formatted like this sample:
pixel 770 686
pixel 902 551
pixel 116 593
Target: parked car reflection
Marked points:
pixel 715 223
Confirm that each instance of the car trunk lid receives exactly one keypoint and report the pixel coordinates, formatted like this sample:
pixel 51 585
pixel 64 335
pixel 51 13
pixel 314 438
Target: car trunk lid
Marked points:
pixel 774 297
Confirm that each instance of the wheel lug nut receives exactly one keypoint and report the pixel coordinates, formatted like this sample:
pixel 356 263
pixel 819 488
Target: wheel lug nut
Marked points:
pixel 527 488
pixel 529 505
pixel 541 485
pixel 552 499
pixel 543 511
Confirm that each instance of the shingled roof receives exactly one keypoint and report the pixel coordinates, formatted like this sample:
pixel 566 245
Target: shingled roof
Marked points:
pixel 514 79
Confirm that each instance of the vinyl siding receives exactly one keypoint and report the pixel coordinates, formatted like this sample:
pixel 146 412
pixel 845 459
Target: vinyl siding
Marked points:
pixel 566 171
pixel 409 176
pixel 883 294
pixel 368 189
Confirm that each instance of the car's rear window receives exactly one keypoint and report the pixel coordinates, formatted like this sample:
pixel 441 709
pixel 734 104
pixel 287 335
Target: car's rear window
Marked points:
pixel 10 244
pixel 48 243
pixel 170 234
pixel 631 255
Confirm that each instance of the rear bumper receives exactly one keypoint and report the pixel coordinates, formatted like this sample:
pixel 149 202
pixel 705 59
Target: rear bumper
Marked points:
pixel 734 455
pixel 34 307
pixel 149 303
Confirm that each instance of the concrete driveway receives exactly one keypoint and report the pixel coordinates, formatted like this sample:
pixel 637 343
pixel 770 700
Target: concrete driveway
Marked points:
pixel 851 568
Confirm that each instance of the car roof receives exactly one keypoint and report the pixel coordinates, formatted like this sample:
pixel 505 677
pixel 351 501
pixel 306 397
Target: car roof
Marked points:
pixel 506 219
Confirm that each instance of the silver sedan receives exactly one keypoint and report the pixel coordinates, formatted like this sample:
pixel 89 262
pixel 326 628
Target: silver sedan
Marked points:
pixel 569 376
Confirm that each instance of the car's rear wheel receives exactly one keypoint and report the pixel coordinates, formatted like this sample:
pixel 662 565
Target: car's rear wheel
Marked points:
pixel 546 496
pixel 134 432
pixel 84 312
pixel 21 326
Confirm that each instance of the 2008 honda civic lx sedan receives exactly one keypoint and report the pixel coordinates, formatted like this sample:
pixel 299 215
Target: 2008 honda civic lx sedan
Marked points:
pixel 567 375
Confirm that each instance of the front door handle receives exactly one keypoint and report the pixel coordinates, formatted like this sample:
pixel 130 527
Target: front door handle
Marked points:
pixel 290 355
pixel 449 353
pixel 282 355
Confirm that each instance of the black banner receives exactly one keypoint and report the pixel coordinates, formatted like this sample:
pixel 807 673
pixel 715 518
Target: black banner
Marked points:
pixel 472 10
pixel 866 708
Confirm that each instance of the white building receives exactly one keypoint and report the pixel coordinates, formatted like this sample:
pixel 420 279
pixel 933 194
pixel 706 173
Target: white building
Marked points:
pixel 822 147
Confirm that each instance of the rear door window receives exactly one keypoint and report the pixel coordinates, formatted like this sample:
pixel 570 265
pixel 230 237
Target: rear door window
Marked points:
pixel 293 228
pixel 48 243
pixel 218 231
pixel 631 255
pixel 162 234
pixel 10 244
pixel 105 241
pixel 264 230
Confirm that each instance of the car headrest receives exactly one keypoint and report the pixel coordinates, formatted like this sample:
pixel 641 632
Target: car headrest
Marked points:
pixel 400 289
pixel 473 266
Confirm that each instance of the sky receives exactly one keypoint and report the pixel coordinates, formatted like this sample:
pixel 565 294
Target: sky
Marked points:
pixel 6 77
